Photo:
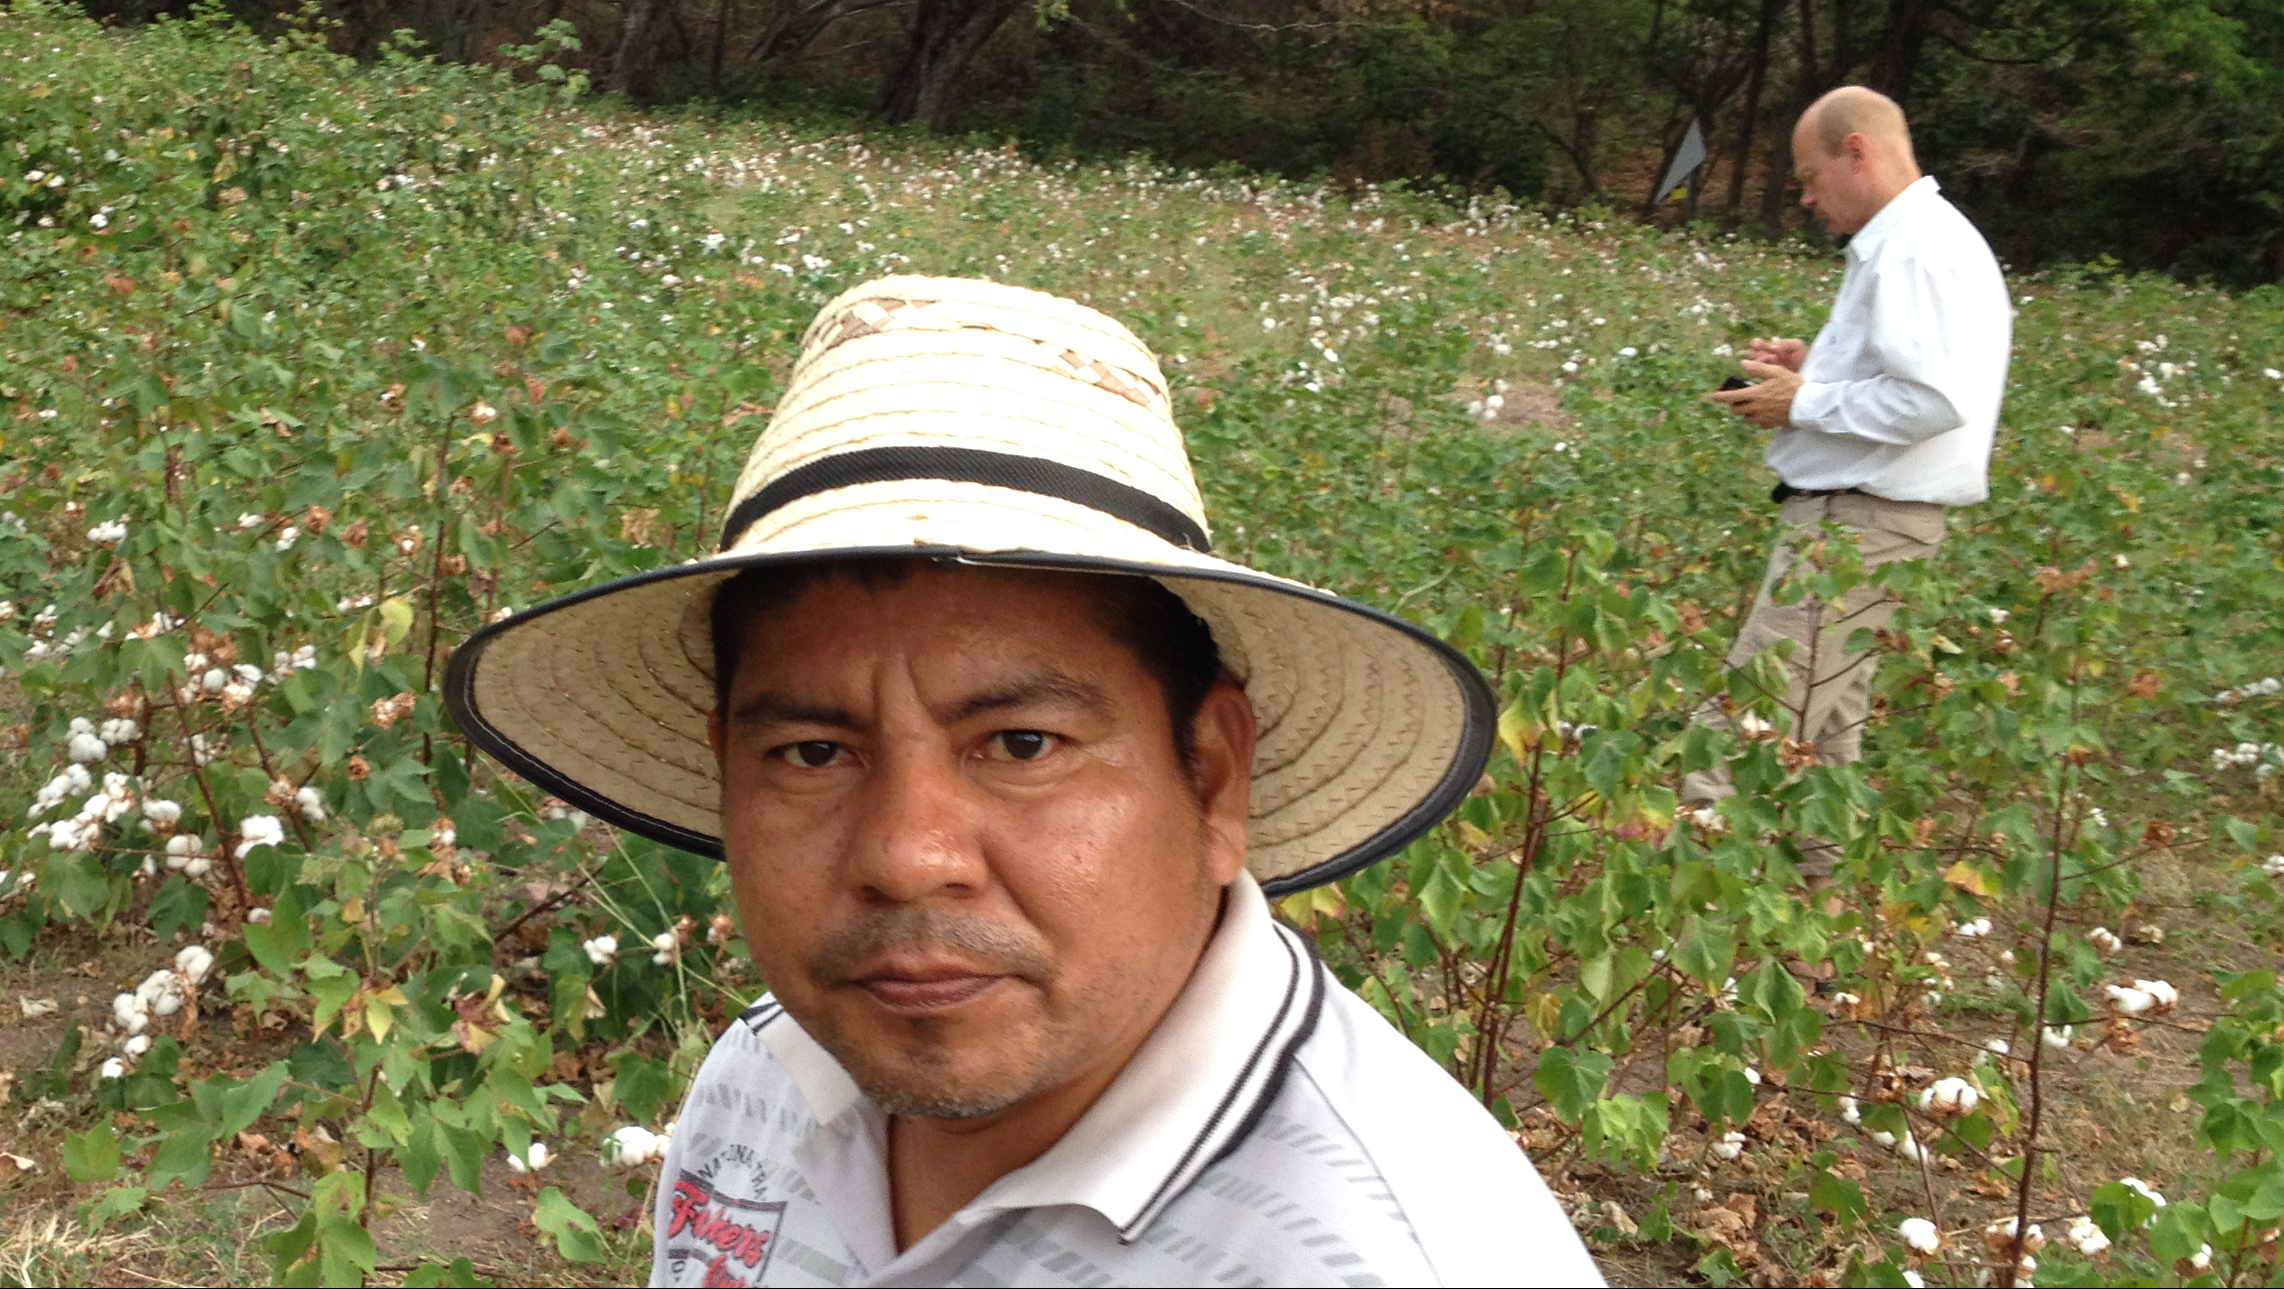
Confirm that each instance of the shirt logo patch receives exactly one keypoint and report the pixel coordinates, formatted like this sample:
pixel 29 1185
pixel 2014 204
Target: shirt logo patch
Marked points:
pixel 731 1237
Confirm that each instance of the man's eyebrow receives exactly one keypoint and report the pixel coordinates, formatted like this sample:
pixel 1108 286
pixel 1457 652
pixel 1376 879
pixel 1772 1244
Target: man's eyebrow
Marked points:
pixel 1038 687
pixel 769 707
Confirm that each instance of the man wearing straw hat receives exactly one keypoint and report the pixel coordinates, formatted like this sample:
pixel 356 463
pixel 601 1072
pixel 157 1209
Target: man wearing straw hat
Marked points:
pixel 1005 764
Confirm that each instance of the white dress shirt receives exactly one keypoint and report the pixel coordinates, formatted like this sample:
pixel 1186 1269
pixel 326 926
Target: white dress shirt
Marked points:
pixel 1901 389
pixel 1273 1129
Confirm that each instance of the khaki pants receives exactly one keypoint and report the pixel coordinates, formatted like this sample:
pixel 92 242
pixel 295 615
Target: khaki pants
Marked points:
pixel 1830 689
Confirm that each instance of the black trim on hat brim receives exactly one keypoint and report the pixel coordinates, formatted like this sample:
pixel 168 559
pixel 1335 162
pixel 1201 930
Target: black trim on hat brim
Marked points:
pixel 1014 471
pixel 1480 719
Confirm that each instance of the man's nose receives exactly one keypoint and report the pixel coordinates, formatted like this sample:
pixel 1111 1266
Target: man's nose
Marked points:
pixel 920 835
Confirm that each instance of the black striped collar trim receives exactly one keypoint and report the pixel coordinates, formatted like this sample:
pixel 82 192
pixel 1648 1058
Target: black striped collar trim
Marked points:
pixel 1257 1084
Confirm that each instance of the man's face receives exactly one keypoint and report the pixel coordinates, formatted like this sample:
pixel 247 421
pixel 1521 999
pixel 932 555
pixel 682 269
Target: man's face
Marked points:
pixel 1832 184
pixel 968 858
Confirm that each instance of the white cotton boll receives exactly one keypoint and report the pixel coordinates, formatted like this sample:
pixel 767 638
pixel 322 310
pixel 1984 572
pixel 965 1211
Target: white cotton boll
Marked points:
pixel 1910 1149
pixel 137 1045
pixel 1950 1098
pixel 198 867
pixel 119 730
pixel 2105 940
pixel 2160 992
pixel 1731 1145
pixel 532 1162
pixel 248 673
pixel 112 1068
pixel 633 1146
pixel 214 679
pixel 287 537
pixel 258 916
pixel 1883 1137
pixel 108 534
pixel 2273 866
pixel 1920 1234
pixel 194 962
pixel 162 812
pixel 1850 1112
pixel 2057 1036
pixel 2086 1236
pixel 603 950
pixel 1914 1279
pixel 259 830
pixel 2202 1260
pixel 86 747
pixel 2006 957
pixel 1752 1076
pixel 124 1009
pixel 1998 1047
pixel 310 804
pixel 2127 1001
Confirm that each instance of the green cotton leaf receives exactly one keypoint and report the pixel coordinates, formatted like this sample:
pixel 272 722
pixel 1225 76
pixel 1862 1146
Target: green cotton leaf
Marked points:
pixel 186 1156
pixel 345 1253
pixel 118 1202
pixel 577 1237
pixel 642 1086
pixel 245 1100
pixel 93 1155
pixel 178 906
pixel 463 1157
pixel 1440 900
pixel 2118 1208
pixel 1728 1097
pixel 420 1157
pixel 284 940
pixel 1706 951
pixel 77 884
pixel 459 1273
pixel 1570 1080
pixel 387 1114
pixel 1836 1195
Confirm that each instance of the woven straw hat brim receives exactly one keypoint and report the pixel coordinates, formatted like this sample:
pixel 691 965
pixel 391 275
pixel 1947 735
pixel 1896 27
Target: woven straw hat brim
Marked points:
pixel 980 422
pixel 1371 729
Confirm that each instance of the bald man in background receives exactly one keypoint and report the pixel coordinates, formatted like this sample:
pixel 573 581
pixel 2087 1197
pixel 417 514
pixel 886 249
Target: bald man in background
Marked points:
pixel 1882 424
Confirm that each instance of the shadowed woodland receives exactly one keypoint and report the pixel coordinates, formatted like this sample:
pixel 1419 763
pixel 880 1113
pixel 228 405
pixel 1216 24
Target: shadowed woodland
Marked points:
pixel 2149 132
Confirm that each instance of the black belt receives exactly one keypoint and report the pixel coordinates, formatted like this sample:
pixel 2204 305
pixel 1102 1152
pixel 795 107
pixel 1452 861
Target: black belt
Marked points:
pixel 1784 492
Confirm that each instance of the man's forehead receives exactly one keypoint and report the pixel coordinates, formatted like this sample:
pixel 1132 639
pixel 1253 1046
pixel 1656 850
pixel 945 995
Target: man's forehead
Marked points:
pixel 822 619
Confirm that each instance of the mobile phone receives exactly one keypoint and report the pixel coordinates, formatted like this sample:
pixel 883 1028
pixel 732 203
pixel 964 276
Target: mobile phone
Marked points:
pixel 1735 382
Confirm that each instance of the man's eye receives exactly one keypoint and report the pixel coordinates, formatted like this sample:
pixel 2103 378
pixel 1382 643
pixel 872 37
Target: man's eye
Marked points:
pixel 810 754
pixel 1020 745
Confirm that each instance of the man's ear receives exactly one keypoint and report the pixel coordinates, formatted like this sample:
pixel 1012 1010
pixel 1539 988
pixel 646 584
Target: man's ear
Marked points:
pixel 1223 738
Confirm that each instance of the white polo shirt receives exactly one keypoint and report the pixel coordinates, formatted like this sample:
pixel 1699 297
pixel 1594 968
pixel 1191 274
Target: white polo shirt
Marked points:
pixel 1901 391
pixel 1273 1129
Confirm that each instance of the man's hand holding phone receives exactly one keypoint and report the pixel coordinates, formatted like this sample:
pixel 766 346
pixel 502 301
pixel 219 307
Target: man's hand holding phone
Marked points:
pixel 1767 400
pixel 1786 352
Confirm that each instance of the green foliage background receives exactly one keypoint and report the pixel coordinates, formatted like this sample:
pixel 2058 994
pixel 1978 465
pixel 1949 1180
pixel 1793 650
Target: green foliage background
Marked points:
pixel 362 355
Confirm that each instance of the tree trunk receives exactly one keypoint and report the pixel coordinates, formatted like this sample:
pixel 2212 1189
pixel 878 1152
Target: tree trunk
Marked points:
pixel 1756 80
pixel 1898 59
pixel 721 36
pixel 944 38
pixel 638 39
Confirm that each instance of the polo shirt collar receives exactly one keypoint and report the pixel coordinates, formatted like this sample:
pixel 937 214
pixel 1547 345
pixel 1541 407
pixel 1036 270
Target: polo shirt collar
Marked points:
pixel 1191 1093
pixel 1866 242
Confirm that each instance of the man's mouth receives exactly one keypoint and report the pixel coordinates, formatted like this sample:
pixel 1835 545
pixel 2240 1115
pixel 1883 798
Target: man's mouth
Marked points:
pixel 917 992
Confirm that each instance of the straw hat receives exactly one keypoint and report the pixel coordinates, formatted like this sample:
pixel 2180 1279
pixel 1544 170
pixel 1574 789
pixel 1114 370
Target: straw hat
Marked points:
pixel 1003 427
